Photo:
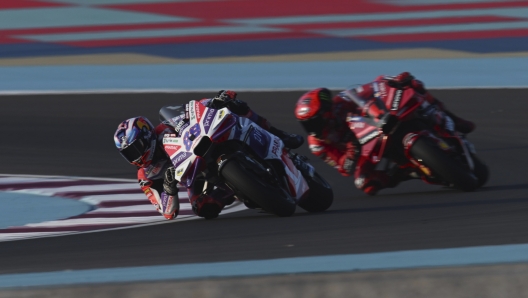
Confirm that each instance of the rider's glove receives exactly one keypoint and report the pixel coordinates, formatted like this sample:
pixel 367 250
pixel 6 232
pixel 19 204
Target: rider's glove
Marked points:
pixel 170 184
pixel 402 80
pixel 225 96
pixel 348 164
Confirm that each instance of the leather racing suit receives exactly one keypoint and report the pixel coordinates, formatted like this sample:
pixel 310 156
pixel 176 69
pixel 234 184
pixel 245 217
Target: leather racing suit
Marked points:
pixel 339 147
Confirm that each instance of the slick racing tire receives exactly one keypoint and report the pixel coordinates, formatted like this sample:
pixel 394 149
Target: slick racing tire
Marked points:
pixel 446 168
pixel 480 170
pixel 320 195
pixel 271 198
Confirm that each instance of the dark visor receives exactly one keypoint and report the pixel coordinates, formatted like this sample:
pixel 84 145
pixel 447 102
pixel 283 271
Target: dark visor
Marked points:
pixel 314 125
pixel 134 151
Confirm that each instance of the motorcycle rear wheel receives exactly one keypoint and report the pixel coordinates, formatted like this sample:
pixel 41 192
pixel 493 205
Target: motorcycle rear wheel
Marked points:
pixel 320 197
pixel 447 168
pixel 269 197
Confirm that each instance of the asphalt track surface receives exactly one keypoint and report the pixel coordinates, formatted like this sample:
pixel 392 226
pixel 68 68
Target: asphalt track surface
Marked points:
pixel 72 135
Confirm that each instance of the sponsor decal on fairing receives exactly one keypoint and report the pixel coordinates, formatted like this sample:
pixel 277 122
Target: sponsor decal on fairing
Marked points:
pixel 257 136
pixel 354 119
pixel 180 157
pixel 383 90
pixel 396 100
pixel 316 148
pixel 170 140
pixel 259 140
pixel 192 112
pixel 181 126
pixel 295 177
pixel 180 171
pixel 449 124
pixel 276 146
pixel 197 110
pixel 356 124
pixel 190 135
pixel 208 120
pixel 221 114
pixel 369 136
pixel 375 87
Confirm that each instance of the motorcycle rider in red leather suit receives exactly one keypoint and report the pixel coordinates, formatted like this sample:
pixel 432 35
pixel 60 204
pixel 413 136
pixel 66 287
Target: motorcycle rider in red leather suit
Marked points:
pixel 330 138
pixel 141 144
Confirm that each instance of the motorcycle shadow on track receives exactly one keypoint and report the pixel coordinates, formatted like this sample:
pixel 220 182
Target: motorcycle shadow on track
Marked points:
pixel 504 187
pixel 406 207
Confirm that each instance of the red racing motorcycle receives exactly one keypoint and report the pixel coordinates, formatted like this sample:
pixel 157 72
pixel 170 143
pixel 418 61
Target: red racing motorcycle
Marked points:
pixel 407 140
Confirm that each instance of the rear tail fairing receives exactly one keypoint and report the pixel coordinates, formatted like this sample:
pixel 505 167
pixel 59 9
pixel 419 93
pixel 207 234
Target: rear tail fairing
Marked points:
pixel 269 147
pixel 261 142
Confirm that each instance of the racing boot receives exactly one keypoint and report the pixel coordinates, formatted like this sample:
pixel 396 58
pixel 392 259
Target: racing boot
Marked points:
pixel 379 180
pixel 461 125
pixel 292 141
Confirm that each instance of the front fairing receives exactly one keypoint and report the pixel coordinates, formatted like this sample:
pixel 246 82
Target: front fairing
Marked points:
pixel 203 122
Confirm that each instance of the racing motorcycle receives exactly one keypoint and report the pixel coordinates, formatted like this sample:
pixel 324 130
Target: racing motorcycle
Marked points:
pixel 407 140
pixel 217 148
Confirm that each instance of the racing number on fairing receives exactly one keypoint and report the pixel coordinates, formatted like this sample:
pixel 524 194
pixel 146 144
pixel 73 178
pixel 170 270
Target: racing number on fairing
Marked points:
pixel 190 135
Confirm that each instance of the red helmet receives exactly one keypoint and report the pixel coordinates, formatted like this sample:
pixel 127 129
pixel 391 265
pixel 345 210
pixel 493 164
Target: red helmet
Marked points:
pixel 313 109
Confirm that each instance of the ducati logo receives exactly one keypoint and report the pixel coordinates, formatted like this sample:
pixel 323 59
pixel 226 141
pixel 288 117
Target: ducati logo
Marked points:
pixel 396 100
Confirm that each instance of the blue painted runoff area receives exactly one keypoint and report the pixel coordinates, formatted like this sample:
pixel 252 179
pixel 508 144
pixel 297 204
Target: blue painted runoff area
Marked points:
pixel 320 264
pixel 17 209
pixel 218 49
pixel 436 73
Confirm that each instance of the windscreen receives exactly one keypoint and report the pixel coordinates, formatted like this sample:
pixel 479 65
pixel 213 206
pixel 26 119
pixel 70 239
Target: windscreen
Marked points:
pixel 171 115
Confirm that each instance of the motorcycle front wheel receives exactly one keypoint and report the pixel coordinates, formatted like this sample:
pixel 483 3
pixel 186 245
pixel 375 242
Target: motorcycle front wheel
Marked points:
pixel 481 170
pixel 320 197
pixel 243 180
pixel 445 167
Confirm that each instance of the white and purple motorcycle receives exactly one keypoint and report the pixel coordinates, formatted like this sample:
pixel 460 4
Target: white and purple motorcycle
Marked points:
pixel 223 149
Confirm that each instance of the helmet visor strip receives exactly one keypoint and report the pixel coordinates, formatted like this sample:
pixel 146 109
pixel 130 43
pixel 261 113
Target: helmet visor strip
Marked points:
pixel 134 152
pixel 314 125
